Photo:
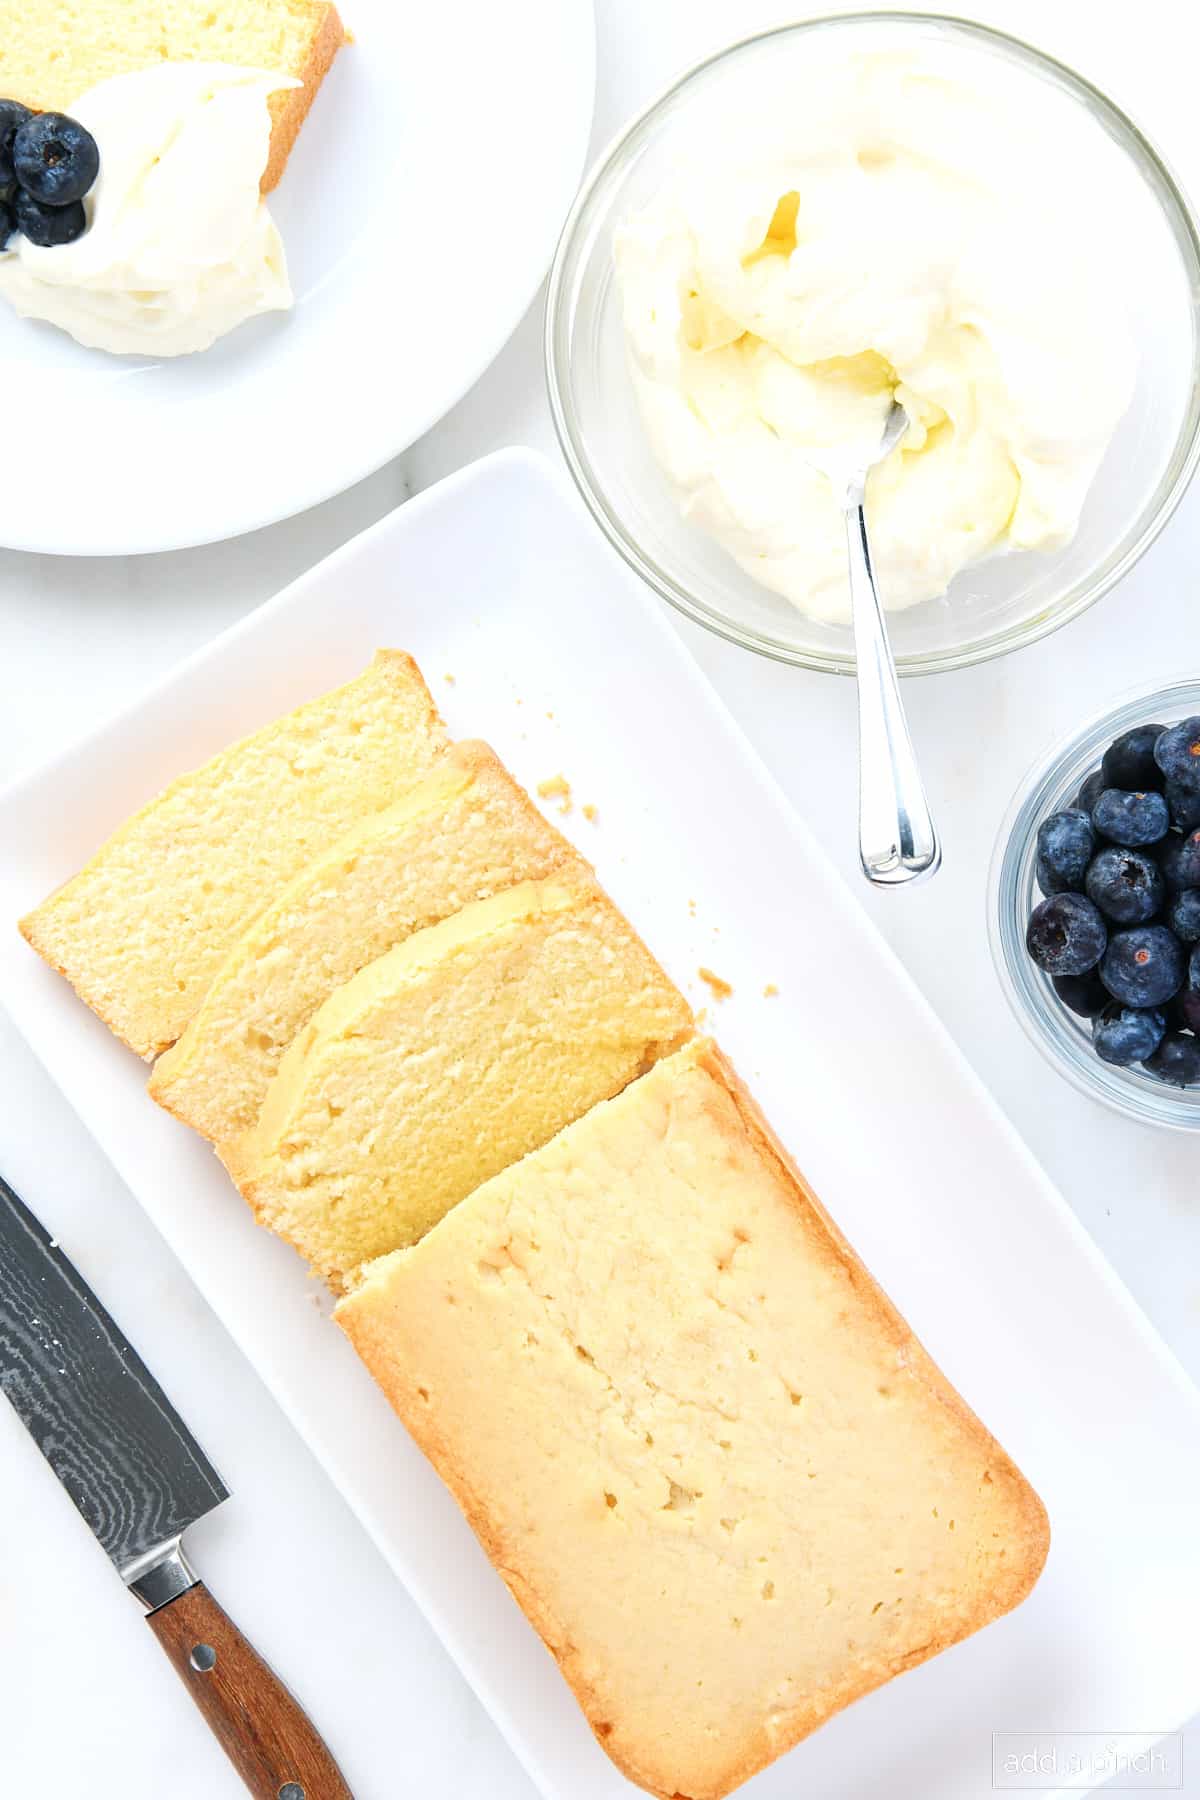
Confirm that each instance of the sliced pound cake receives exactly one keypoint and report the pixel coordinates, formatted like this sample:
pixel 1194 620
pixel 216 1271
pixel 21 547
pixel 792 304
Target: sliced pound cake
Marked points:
pixel 465 833
pixel 53 51
pixel 725 1482
pixel 142 930
pixel 434 1067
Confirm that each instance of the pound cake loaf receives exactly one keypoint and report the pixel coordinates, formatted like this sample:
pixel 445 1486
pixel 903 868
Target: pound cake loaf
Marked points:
pixel 467 832
pixel 725 1482
pixel 142 930
pixel 434 1067
pixel 53 51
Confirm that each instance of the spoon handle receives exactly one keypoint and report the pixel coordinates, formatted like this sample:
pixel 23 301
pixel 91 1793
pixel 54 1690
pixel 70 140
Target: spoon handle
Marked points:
pixel 897 840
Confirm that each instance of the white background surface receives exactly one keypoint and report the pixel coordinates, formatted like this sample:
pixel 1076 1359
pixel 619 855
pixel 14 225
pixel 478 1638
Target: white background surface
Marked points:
pixel 87 1700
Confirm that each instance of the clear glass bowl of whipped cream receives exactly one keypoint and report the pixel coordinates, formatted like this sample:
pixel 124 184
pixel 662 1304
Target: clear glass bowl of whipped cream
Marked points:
pixel 852 207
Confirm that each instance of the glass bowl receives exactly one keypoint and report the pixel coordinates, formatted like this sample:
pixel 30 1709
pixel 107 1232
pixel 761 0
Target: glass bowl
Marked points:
pixel 1062 1037
pixel 998 605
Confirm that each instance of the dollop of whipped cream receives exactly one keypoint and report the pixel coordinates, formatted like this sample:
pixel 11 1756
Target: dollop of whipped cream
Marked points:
pixel 888 236
pixel 180 246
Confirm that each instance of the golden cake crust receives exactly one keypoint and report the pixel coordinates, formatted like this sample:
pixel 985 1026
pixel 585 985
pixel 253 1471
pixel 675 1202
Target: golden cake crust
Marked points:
pixel 290 107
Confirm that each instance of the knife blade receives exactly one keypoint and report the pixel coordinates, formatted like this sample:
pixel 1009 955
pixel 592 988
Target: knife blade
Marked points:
pixel 139 1479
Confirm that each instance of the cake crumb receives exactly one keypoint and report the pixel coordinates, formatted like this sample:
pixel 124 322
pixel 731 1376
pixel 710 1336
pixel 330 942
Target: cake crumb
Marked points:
pixel 589 813
pixel 692 908
pixel 770 991
pixel 549 715
pixel 449 680
pixel 556 787
pixel 721 989
pixel 702 1018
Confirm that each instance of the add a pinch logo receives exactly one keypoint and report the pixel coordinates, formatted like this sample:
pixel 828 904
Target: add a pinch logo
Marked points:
pixel 1130 1761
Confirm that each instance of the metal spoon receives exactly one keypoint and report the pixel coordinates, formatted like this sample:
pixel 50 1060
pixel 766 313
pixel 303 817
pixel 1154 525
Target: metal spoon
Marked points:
pixel 897 840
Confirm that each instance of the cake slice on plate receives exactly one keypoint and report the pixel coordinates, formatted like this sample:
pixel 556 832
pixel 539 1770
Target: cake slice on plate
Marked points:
pixel 52 51
pixel 726 1483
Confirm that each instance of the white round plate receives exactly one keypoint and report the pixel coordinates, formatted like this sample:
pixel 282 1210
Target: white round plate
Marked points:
pixel 419 210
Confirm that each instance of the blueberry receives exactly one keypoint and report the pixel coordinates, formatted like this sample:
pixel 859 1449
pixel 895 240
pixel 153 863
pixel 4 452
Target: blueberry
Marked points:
pixel 1129 761
pixel 1183 915
pixel 1066 935
pixel 1144 967
pixel 1126 885
pixel 1184 806
pixel 48 226
pixel 1185 1010
pixel 1090 792
pixel 1181 862
pixel 55 159
pixel 1065 843
pixel 1177 753
pixel 1177 1060
pixel 1124 1035
pixel 8 223
pixel 12 115
pixel 1131 819
pixel 1084 994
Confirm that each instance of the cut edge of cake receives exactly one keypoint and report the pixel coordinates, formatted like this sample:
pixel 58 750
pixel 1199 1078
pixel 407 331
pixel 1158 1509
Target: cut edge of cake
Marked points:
pixel 467 768
pixel 39 927
pixel 250 1158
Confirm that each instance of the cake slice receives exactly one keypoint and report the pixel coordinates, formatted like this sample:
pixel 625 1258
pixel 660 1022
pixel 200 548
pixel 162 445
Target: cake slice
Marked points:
pixel 465 833
pixel 446 1059
pixel 142 930
pixel 725 1482
pixel 53 51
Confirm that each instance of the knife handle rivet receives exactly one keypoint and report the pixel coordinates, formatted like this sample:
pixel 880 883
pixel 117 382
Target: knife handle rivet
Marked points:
pixel 291 1790
pixel 204 1658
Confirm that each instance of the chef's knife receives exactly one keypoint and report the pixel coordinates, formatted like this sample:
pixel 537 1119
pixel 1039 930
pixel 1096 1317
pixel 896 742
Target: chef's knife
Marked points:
pixel 139 1478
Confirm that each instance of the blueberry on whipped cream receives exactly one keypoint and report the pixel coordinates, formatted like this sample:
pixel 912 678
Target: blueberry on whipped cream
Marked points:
pixel 48 165
pixel 49 227
pixel 55 159
pixel 12 116
pixel 179 246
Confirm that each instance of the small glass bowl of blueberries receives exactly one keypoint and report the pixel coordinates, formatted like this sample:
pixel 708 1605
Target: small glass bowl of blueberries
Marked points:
pixel 1095 906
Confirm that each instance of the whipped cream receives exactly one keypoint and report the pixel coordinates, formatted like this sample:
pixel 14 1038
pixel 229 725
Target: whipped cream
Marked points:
pixel 889 232
pixel 180 246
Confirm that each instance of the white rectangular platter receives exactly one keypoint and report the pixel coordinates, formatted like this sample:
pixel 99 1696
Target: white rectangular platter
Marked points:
pixel 533 636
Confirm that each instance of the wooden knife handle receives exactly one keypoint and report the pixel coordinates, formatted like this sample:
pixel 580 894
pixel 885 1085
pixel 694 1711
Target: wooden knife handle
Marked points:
pixel 263 1731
